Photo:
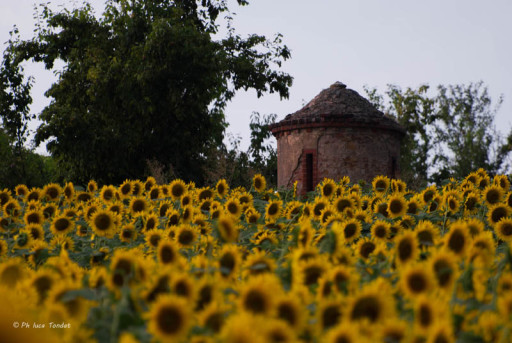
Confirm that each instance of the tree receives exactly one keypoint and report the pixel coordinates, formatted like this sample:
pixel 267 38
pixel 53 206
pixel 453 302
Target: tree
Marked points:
pixel 148 81
pixel 448 134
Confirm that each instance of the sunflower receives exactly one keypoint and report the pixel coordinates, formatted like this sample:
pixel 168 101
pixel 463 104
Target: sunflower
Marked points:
pixel 289 309
pixel 92 186
pixel 235 329
pixel 12 208
pixel 33 217
pixel 83 197
pixel 309 271
pixel 170 318
pixel 471 203
pixel 365 247
pixel 344 333
pixel 318 206
pixel 188 213
pixel 49 210
pixel 428 194
pixel 150 221
pixel 186 236
pixel 35 231
pixel 137 188
pixel 42 282
pixel 414 205
pixel 435 204
pixel 76 308
pixel 343 202
pixel 259 183
pixel 61 225
pixel 327 188
pixel 173 217
pixel 186 200
pixel 458 238
pixel 381 206
pixel 153 237
pixel 503 229
pixel 122 269
pixel 21 191
pixel 397 206
pixel 350 230
pixel 229 260
pixel 415 280
pixel 125 189
pixel 5 224
pixel 483 245
pixel 278 331
pixel 258 294
pixel 108 193
pixel 12 272
pixel 380 230
pixel 398 186
pixel 380 184
pixel 233 207
pixel 103 223
pixel 33 194
pixel 90 210
pixel 441 332
pixel 183 286
pixel 22 240
pixel 329 313
pixel 128 234
pixel 155 192
pixel 452 205
pixel 427 233
pixel 227 228
pixel 138 205
pixel 273 210
pixel 406 248
pixel 426 313
pixel 82 230
pixel 501 181
pixel 373 303
pixel 258 263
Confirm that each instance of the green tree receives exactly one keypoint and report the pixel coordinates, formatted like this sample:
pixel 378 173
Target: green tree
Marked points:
pixel 448 134
pixel 148 81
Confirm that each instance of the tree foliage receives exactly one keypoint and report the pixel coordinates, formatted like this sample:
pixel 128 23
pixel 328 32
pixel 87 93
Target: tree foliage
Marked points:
pixel 449 133
pixel 147 81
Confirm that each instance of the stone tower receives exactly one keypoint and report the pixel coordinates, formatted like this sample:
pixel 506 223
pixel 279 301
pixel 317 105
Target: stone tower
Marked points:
pixel 337 133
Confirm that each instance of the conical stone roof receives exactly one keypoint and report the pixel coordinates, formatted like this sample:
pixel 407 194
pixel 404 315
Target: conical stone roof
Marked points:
pixel 337 106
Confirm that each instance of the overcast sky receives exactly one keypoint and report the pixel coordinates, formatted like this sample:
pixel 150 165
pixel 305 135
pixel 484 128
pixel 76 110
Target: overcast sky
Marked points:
pixel 359 43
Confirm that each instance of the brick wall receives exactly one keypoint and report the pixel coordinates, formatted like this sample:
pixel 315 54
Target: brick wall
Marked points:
pixel 360 153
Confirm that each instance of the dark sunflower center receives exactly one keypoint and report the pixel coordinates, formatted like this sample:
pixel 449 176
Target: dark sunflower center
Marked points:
pixel 33 218
pixel 331 316
pixel 232 208
pixel 366 249
pixel 286 312
pixel 139 205
pixel 205 297
pixel 350 230
pixel 102 222
pixel 186 237
pixel 506 229
pixel 272 210
pixel 381 232
pixel 405 250
pixel 167 254
pixel 42 285
pixel 366 307
pixel 255 302
pixel 215 321
pixel 328 190
pixel 154 239
pixel 457 241
pixel 170 320
pixel 416 282
pixel 227 262
pixel 62 224
pixel 425 315
pixel 312 274
pixel 396 206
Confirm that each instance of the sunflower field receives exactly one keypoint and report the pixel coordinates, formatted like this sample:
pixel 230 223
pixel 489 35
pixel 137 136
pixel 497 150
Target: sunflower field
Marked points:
pixel 144 262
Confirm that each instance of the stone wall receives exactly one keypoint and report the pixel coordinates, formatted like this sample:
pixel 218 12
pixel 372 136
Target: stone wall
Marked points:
pixel 358 152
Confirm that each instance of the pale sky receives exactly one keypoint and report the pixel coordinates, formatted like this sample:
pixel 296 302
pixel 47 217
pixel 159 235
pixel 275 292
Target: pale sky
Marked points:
pixel 366 42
